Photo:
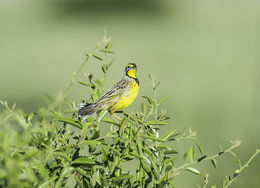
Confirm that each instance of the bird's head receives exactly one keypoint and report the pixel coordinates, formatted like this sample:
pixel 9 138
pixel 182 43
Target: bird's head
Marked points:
pixel 130 70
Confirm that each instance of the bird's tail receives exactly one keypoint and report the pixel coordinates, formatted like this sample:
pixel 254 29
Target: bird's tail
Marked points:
pixel 86 109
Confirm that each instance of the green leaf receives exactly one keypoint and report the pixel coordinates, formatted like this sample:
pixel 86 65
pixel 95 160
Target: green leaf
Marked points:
pixel 66 171
pixel 202 158
pixel 148 153
pixel 163 183
pixel 90 142
pixel 214 162
pixel 82 172
pixel 110 147
pixel 87 183
pixel 99 82
pixel 220 148
pixel 108 120
pixel 107 51
pixel 86 126
pixel 102 177
pixel 172 136
pixel 128 157
pixel 122 178
pixel 163 146
pixel 71 122
pixel 168 135
pixel 235 157
pixel 104 68
pixel 96 134
pixel 79 182
pixel 84 160
pixel 200 149
pixel 193 170
pixel 171 152
pixel 131 133
pixel 150 100
pixel 155 122
pixel 83 83
pixel 93 86
pixel 63 155
pixel 143 108
pixel 191 153
pixel 156 175
pixel 163 100
pixel 143 158
pixel 139 174
pixel 151 137
pixel 111 62
pixel 146 169
pixel 99 58
pixel 157 84
pixel 30 116
pixel 170 160
pixel 22 114
pixel 121 127
pixel 168 168
pixel 137 155
pixel 171 181
pixel 185 156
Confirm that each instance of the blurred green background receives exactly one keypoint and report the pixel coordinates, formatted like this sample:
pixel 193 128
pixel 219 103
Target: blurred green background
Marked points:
pixel 205 53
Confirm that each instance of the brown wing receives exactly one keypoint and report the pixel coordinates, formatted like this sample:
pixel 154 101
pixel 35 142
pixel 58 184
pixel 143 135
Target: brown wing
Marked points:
pixel 113 95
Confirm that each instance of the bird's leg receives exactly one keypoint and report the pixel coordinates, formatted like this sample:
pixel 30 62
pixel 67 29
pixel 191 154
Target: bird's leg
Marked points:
pixel 115 117
pixel 119 118
pixel 112 128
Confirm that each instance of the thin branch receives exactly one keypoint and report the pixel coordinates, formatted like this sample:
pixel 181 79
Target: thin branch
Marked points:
pixel 235 145
pixel 238 171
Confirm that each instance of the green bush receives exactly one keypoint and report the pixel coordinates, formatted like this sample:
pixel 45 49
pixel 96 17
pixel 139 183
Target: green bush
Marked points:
pixel 51 148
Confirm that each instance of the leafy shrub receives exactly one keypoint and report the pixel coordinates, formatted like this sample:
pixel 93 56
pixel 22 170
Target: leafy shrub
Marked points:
pixel 51 148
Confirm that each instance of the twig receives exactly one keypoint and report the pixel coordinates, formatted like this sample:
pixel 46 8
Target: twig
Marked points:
pixel 238 171
pixel 235 145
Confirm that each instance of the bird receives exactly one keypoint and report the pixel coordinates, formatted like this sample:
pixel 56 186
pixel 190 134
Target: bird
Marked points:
pixel 120 96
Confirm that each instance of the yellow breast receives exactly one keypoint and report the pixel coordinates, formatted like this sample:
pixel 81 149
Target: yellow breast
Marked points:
pixel 127 99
